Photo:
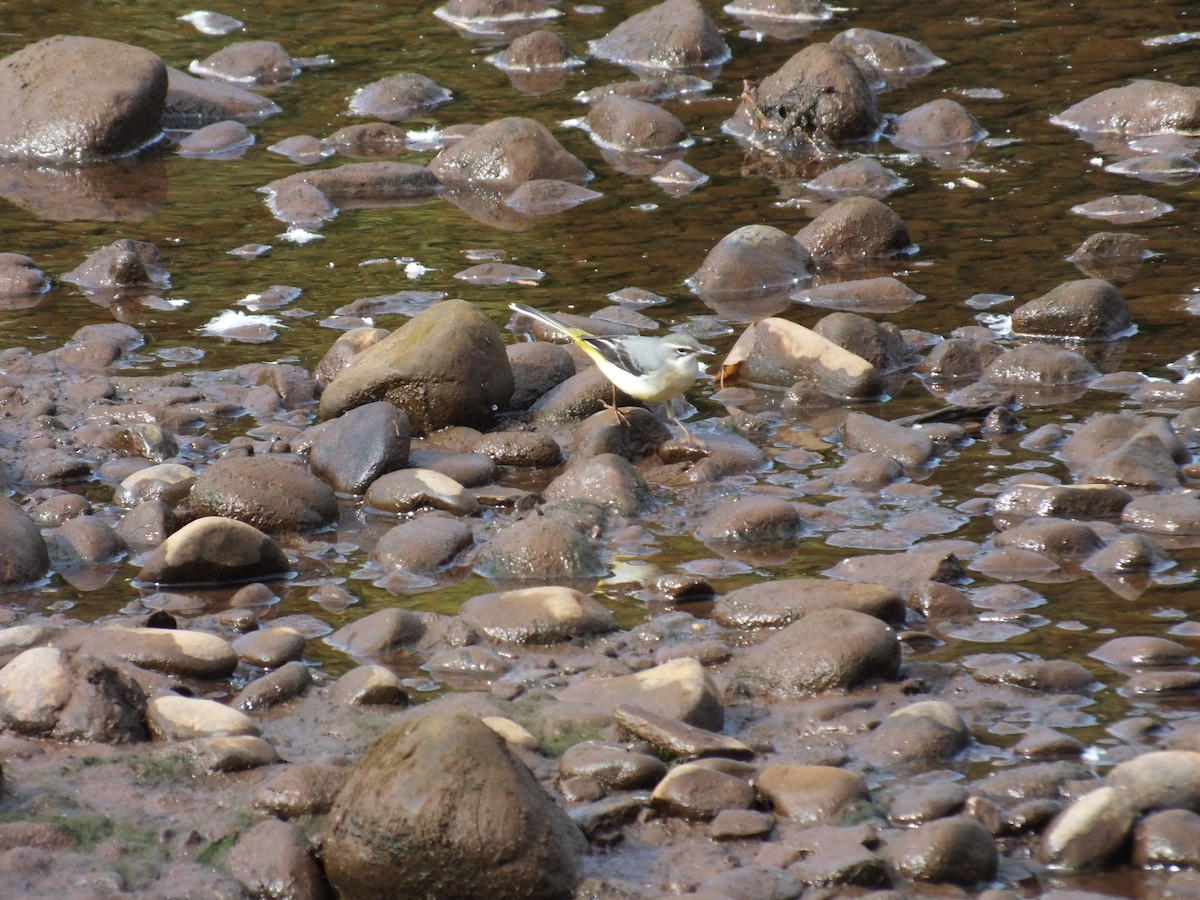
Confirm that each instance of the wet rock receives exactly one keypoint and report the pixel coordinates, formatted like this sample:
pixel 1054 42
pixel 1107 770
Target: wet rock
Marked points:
pixel 821 79
pixel 20 275
pixel 382 632
pixel 191 654
pixel 1177 514
pixel 409 490
pixel 855 230
pixel 1110 255
pixel 301 789
pixel 879 343
pixel 230 753
pixel 1167 839
pixel 445 367
pixel 810 795
pixel 1064 501
pixel 47 692
pixel 541 549
pixel 195 102
pixel 524 449
pixel 1089 832
pixel 750 262
pixel 269 648
pixel 924 803
pixel 778 602
pixel 1088 309
pixel 606 480
pixel 285 683
pixel 424 544
pixel 937 125
pixel 358 446
pixel 214 550
pixel 867 471
pixel 694 792
pixel 775 351
pixel 1168 779
pixel 272 494
pixel 147 525
pixel 369 685
pixel 678 740
pixel 828 649
pixel 250 63
pixel 84 541
pixel 80 99
pixel 537 366
pixel 175 718
pixel 916 737
pixel 1141 462
pixel 274 859
pixel 1142 107
pixel 470 470
pixel 957 850
pixel 864 176
pixel 1062 540
pixel 25 558
pixel 677 34
pixel 740 824
pixel 548 196
pixel 906 572
pixel 1102 434
pixel 169 483
pixel 311 198
pixel 1041 742
pixel 634 126
pixel 504 154
pixel 1041 365
pixel 537 615
pixel 123 264
pixel 1142 650
pixel 907 446
pixel 1127 554
pixel 1055 675
pixel 680 689
pixel 366 140
pixel 959 358
pixel 535 51
pixel 888 54
pixel 379 842
pixel 220 139
pixel 399 97
pixel 751 519
pixel 870 295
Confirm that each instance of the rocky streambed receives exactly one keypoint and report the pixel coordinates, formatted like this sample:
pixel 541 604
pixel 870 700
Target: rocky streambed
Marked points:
pixel 909 614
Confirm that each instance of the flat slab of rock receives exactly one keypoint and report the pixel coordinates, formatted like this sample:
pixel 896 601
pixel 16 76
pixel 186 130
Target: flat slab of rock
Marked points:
pixel 537 615
pixel 680 740
pixel 680 689
pixel 776 603
pixel 175 718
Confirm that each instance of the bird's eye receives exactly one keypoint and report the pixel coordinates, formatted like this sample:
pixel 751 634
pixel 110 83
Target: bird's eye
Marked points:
pixel 683 351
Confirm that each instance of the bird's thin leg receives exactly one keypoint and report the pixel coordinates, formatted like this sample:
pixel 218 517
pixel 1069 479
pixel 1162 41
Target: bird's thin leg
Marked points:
pixel 617 410
pixel 687 435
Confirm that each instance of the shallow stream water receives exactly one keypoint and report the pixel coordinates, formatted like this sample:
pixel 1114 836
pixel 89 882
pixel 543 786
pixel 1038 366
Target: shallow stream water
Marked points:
pixel 997 223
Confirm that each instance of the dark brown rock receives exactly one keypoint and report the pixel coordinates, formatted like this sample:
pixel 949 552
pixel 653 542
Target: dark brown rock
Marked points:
pixel 750 262
pixel 829 649
pixel 445 367
pixel 80 99
pixel 272 494
pixel 677 34
pixel 274 858
pixel 955 850
pixel 360 445
pixel 855 230
pixel 503 154
pixel 1088 309
pixel 409 819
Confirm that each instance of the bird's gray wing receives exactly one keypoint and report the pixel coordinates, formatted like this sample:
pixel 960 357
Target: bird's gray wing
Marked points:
pixel 616 351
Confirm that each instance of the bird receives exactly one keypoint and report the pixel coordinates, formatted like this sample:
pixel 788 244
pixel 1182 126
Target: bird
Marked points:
pixel 647 368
